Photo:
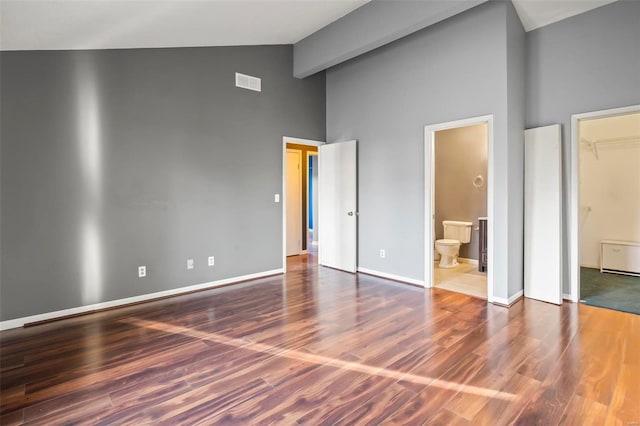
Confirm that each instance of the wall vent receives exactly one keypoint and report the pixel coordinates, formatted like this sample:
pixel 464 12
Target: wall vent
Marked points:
pixel 248 82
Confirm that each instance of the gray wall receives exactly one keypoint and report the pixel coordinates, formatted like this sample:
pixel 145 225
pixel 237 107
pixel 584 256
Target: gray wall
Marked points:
pixel 455 69
pixel 460 156
pixel 368 27
pixel 118 158
pixel 586 63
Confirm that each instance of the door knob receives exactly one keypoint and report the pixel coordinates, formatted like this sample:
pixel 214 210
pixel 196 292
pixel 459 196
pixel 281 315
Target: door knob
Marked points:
pixel 350 213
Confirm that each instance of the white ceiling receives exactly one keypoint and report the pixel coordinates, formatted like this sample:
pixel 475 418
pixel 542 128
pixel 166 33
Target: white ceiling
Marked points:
pixel 111 24
pixel 107 24
pixel 538 13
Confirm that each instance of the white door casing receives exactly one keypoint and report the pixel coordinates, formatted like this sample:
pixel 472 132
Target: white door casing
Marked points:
pixel 543 214
pixel 337 205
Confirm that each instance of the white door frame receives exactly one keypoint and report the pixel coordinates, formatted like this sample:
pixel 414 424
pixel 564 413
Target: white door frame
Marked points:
pixel 574 202
pixel 285 141
pixel 429 195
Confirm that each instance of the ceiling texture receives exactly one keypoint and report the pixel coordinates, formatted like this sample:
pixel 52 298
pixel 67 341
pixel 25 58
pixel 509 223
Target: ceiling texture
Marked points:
pixel 117 24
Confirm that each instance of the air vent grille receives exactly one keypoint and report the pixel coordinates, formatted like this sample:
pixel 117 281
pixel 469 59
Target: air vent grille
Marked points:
pixel 248 82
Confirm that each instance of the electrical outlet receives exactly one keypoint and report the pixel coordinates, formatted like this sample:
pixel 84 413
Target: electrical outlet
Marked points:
pixel 276 198
pixel 142 271
pixel 383 254
pixel 189 263
pixel 212 261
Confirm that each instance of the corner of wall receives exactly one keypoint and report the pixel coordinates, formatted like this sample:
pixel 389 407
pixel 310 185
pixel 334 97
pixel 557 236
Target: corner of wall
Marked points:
pixel 516 69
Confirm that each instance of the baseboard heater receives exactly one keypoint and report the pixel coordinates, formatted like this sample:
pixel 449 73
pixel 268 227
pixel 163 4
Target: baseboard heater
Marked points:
pixel 620 257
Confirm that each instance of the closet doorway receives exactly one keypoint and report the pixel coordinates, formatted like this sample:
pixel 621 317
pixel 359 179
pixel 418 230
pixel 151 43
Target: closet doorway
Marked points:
pixel 606 246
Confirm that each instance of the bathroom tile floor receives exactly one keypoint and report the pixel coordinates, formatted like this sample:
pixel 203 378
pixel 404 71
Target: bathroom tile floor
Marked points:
pixel 464 278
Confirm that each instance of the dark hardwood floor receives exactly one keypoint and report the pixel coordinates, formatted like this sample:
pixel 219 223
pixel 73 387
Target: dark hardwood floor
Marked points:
pixel 318 346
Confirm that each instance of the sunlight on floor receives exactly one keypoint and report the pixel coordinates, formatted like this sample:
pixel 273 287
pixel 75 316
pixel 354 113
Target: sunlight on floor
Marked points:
pixel 319 359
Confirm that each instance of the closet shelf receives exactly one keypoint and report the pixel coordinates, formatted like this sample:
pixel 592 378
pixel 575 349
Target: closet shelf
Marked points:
pixel 592 146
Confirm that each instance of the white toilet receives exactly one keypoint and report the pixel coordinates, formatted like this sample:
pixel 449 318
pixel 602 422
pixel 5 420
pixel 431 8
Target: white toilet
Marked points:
pixel 455 233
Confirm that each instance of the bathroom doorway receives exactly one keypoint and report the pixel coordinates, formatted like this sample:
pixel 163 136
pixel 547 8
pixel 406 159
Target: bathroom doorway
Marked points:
pixel 608 201
pixel 458 222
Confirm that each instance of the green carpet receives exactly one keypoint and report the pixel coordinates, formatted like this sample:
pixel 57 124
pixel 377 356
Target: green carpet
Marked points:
pixel 612 291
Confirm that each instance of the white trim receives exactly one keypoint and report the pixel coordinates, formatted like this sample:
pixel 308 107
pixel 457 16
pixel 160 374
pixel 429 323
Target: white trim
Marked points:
pixel 574 192
pixel 283 199
pixel 509 301
pixel 566 296
pixel 429 210
pixel 469 261
pixel 19 322
pixel 391 276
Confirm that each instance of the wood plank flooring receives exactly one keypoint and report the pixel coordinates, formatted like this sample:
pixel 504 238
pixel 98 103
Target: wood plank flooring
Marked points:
pixel 318 346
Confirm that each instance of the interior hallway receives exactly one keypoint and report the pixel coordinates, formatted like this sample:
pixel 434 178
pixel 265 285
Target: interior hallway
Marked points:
pixel 319 346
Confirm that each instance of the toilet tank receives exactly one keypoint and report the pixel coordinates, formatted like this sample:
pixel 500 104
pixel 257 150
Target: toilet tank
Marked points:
pixel 454 230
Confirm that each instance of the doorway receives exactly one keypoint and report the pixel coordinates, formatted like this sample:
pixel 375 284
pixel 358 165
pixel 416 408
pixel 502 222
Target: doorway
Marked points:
pixel 605 238
pixel 296 153
pixel 467 270
pixel 460 208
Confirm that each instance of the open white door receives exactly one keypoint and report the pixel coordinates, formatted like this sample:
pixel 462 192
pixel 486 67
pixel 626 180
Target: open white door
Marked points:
pixel 337 202
pixel 543 214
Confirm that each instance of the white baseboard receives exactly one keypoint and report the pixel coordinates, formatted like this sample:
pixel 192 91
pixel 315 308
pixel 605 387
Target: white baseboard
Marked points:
pixel 510 300
pixel 391 276
pixel 566 296
pixel 19 322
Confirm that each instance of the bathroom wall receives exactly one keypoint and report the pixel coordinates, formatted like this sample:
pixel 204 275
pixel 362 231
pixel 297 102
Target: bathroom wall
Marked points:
pixel 609 184
pixel 460 156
